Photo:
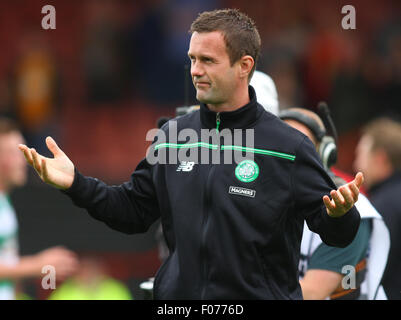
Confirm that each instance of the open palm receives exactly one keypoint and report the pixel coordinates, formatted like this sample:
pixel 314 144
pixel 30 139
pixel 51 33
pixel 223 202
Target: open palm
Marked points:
pixel 57 171
pixel 344 198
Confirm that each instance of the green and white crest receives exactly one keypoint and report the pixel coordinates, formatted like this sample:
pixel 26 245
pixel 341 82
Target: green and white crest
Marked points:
pixel 247 171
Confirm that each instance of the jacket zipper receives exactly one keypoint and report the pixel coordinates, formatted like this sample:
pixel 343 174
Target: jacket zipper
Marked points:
pixel 206 219
pixel 204 233
pixel 217 121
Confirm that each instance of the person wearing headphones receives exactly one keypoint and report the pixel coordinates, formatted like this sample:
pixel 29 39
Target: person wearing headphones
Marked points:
pixel 328 272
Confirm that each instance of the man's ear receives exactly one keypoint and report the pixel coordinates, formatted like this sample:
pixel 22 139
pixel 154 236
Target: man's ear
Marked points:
pixel 246 64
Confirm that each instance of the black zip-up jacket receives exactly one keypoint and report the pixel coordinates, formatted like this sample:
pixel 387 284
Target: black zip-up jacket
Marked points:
pixel 226 242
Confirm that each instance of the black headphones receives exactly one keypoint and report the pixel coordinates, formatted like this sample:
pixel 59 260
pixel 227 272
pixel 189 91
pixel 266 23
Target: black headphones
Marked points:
pixel 327 144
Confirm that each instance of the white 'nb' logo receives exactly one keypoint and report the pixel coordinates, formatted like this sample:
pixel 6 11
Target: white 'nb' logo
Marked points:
pixel 186 166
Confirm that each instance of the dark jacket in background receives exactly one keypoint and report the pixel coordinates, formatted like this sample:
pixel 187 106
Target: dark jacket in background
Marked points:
pixel 385 196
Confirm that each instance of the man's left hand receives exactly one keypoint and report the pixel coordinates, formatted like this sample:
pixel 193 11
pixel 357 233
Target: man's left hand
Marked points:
pixel 344 198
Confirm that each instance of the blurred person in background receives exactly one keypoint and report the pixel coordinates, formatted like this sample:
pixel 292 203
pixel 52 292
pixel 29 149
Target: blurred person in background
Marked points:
pixel 321 266
pixel 378 156
pixel 91 282
pixel 35 89
pixel 13 173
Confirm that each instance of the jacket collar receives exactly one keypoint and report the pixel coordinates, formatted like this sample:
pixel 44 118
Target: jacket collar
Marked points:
pixel 239 119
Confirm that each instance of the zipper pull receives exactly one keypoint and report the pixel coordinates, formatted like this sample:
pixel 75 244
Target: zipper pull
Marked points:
pixel 217 121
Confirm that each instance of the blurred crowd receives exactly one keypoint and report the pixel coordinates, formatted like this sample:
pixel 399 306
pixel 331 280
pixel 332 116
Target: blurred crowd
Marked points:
pixel 113 67
pixel 126 60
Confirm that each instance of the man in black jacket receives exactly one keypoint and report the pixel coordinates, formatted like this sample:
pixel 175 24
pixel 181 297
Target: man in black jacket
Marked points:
pixel 233 229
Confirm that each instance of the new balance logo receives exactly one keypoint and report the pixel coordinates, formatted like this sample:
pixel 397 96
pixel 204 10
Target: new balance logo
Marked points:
pixel 242 191
pixel 186 166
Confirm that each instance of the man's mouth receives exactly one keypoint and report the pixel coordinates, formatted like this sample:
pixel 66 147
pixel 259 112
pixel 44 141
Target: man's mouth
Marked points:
pixel 202 84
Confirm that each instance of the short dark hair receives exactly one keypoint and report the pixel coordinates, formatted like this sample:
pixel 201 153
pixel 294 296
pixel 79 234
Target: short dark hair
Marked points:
pixel 240 33
pixel 386 135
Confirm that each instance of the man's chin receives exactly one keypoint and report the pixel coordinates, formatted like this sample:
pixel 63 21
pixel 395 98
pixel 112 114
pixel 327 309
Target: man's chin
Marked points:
pixel 201 97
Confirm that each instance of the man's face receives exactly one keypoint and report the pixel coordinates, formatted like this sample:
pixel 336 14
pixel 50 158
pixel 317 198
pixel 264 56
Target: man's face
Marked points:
pixel 214 78
pixel 13 168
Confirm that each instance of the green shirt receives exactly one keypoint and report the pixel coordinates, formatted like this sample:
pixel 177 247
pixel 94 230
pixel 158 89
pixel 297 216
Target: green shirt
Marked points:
pixel 8 244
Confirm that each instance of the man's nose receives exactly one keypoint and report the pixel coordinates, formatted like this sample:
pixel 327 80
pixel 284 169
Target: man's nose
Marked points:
pixel 196 69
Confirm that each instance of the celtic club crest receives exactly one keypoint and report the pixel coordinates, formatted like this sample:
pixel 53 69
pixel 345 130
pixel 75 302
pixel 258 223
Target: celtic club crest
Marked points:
pixel 247 171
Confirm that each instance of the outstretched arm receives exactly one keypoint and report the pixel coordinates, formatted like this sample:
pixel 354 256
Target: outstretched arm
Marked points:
pixel 63 260
pixel 58 172
pixel 130 207
pixel 312 184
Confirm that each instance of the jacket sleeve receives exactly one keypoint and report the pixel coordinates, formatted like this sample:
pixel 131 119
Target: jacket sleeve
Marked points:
pixel 130 207
pixel 310 183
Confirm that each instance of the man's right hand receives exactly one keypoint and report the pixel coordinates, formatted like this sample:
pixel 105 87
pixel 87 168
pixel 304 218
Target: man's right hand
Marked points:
pixel 58 172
